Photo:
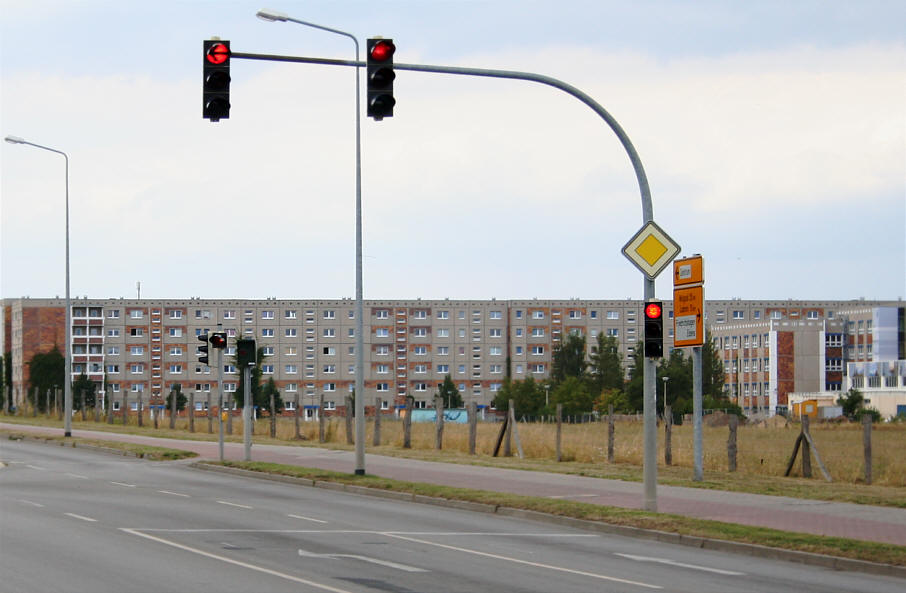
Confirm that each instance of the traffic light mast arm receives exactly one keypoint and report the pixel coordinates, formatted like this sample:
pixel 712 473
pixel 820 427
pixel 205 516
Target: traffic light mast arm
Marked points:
pixel 641 177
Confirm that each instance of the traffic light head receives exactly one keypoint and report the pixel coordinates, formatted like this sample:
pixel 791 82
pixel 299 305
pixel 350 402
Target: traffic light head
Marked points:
pixel 202 351
pixel 654 329
pixel 245 352
pixel 380 78
pixel 216 82
pixel 219 340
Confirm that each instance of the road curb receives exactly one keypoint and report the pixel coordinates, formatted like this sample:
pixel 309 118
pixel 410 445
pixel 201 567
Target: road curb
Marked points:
pixel 755 550
pixel 75 445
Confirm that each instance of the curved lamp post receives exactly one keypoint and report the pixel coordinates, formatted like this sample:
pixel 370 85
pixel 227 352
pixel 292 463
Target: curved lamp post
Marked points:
pixel 67 378
pixel 275 16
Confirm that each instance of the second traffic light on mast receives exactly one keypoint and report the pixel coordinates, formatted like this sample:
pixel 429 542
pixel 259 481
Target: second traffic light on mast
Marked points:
pixel 380 78
pixel 216 81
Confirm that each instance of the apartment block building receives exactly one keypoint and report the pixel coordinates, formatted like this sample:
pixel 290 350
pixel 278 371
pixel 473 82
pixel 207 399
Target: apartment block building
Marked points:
pixel 150 345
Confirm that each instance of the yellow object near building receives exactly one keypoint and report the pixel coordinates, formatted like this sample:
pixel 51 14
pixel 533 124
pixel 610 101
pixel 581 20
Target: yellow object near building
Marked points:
pixel 807 407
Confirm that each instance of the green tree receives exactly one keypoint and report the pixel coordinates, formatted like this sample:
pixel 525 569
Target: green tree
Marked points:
pixel 83 385
pixel 181 399
pixel 527 396
pixel 569 359
pixel 449 394
pixel 605 365
pixel 713 375
pixel 852 403
pixel 271 388
pixel 575 395
pixel 47 370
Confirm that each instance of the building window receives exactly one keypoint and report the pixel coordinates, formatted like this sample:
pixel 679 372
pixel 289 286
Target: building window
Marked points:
pixel 739 315
pixel 230 314
pixel 267 369
pixel 382 314
pixel 495 332
pixel 443 314
pixel 421 351
pixel 443 332
pixel 496 350
pixel 290 332
pixel 330 314
pixel 267 315
pixel 495 315
pixel 573 314
pixel 289 314
pixel 537 332
pixel 329 332
pixel 291 369
pixel 613 315
pixel 537 314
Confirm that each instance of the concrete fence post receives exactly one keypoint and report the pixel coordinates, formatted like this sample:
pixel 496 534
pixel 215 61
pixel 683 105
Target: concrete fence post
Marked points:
pixel 731 443
pixel 866 444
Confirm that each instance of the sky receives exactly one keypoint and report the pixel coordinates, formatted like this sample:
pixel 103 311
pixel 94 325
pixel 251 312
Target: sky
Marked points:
pixel 772 133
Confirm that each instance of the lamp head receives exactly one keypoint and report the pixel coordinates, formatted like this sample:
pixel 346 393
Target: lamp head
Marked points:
pixel 15 140
pixel 273 16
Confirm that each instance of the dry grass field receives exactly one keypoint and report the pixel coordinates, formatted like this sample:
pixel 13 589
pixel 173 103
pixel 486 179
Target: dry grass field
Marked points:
pixel 763 450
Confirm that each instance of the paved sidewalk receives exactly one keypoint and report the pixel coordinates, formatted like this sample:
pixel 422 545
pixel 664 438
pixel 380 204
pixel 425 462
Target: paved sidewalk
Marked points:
pixel 863 522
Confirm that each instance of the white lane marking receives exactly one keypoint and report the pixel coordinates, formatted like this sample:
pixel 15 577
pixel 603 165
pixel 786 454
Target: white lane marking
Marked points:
pixel 682 564
pixel 174 493
pixel 82 517
pixel 36 467
pixel 306 518
pixel 387 563
pixel 34 504
pixel 281 575
pixel 233 504
pixel 124 484
pixel 574 496
pixel 526 562
pixel 79 476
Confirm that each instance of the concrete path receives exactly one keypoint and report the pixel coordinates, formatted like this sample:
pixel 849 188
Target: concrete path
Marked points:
pixel 863 522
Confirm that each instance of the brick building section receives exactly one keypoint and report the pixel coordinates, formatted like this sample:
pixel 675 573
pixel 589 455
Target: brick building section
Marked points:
pixel 786 366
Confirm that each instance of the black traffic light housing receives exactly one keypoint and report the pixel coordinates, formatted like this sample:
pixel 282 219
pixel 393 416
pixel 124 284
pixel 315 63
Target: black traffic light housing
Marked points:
pixel 654 329
pixel 216 81
pixel 245 352
pixel 202 352
pixel 218 340
pixel 380 78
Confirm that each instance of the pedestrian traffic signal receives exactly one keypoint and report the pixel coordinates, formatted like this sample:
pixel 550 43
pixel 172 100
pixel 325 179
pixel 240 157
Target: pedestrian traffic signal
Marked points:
pixel 219 340
pixel 216 82
pixel 245 352
pixel 380 78
pixel 654 329
pixel 202 351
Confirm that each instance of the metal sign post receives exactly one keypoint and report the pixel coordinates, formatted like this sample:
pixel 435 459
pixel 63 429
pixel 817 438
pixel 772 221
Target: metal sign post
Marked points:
pixel 688 319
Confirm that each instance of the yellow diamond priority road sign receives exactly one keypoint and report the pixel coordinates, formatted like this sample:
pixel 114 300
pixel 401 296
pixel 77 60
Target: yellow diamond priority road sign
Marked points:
pixel 651 249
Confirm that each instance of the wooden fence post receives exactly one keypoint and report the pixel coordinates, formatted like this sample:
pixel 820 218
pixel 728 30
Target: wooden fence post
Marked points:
pixel 407 423
pixel 349 435
pixel 273 416
pixel 508 433
pixel 174 395
pixel 439 423
pixel 141 410
pixel 192 412
pixel 154 415
pixel 731 443
pixel 668 435
pixel 296 416
pixel 81 402
pixel 229 407
pixel 321 420
pixel 210 416
pixel 47 404
pixel 806 449
pixel 610 431
pixel 559 432
pixel 866 443
pixel 125 408
pixel 376 440
pixel 110 409
pixel 473 426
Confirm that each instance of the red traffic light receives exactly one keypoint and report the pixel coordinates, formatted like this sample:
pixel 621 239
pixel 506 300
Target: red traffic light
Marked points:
pixel 218 340
pixel 653 311
pixel 218 54
pixel 382 50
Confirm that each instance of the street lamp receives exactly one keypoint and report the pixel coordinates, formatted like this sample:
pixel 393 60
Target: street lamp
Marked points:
pixel 276 16
pixel 67 377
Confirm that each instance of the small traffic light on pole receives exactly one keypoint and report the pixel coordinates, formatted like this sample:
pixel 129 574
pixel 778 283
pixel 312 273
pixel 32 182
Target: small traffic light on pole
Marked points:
pixel 654 329
pixel 216 82
pixel 380 78
pixel 202 351
pixel 219 340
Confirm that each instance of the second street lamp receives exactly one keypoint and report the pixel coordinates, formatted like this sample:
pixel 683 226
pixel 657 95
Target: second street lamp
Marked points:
pixel 67 377
pixel 275 16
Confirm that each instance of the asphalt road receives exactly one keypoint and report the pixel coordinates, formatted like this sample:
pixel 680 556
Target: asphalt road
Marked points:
pixel 76 520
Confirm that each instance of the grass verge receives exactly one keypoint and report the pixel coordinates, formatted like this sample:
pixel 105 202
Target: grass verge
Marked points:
pixel 132 449
pixel 816 544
